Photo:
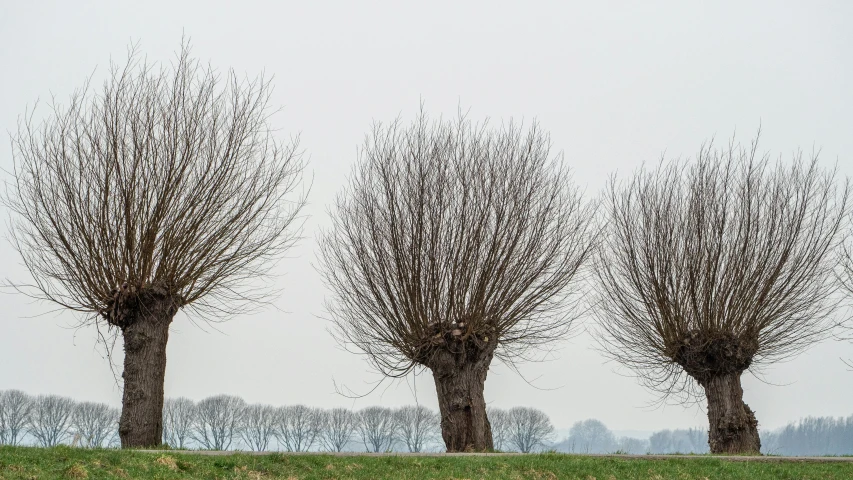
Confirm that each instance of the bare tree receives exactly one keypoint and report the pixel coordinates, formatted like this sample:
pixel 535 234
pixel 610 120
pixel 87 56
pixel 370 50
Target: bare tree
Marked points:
pixel 50 419
pixel 298 427
pixel 529 429
pixel 95 423
pixel 377 428
pixel 499 421
pixel 454 243
pixel 258 425
pixel 417 426
pixel 696 439
pixel 15 408
pixel 718 266
pixel 661 442
pixel 339 425
pixel 167 189
pixel 632 446
pixel 217 421
pixel 590 436
pixel 693 440
pixel 179 419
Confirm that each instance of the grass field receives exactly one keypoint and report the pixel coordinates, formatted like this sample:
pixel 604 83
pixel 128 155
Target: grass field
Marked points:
pixel 69 463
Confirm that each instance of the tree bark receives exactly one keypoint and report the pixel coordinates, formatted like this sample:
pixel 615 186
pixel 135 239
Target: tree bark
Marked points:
pixel 733 427
pixel 464 425
pixel 145 338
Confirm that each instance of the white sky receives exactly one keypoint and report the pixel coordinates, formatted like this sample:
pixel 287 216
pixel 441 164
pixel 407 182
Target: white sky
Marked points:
pixel 616 84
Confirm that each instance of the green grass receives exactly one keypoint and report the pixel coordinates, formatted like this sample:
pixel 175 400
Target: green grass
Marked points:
pixel 72 463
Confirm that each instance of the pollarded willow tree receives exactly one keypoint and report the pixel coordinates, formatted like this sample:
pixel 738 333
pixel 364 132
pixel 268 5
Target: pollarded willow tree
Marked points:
pixel 716 266
pixel 453 244
pixel 165 189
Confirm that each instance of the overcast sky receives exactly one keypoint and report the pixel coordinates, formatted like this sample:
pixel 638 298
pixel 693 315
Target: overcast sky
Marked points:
pixel 616 84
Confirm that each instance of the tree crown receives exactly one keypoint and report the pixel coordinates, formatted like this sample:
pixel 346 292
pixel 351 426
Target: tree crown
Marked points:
pixel 168 181
pixel 718 265
pixel 455 237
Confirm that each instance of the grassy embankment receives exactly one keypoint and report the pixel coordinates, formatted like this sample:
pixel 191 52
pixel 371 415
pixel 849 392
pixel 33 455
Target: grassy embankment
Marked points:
pixel 72 463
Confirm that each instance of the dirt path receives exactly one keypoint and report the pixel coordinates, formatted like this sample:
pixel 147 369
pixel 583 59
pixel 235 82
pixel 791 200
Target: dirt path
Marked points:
pixel 732 458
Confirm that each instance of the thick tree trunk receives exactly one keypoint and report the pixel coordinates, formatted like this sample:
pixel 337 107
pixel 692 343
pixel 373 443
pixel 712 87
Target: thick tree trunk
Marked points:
pixel 145 337
pixel 464 425
pixel 733 427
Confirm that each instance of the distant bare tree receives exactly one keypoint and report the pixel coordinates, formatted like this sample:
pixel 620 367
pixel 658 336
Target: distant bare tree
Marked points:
pixel 590 436
pixel 50 419
pixel 632 446
pixel 417 426
pixel 217 421
pixel 499 420
pixel 298 427
pixel 258 425
pixel 15 408
pixel 455 243
pixel 529 429
pixel 95 423
pixel 377 428
pixel 166 189
pixel 697 439
pixel 179 418
pixel 661 442
pixel 717 266
pixel 693 440
pixel 339 425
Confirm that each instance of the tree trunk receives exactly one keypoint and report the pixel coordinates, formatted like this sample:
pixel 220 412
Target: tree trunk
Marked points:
pixel 141 423
pixel 733 427
pixel 464 425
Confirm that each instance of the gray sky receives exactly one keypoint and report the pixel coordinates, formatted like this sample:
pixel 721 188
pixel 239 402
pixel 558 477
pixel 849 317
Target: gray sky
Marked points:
pixel 616 84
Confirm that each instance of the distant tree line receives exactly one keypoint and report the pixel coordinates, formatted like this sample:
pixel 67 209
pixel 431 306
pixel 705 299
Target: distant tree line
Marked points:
pixel 225 422
pixel 48 420
pixel 811 436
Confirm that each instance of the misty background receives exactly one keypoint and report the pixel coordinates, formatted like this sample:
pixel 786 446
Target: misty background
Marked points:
pixel 615 84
